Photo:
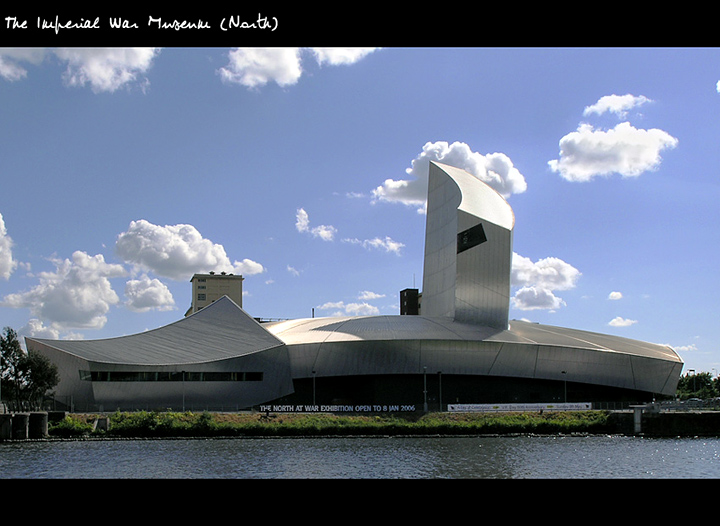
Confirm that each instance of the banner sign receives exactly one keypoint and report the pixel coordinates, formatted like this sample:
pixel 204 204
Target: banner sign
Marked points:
pixel 469 408
pixel 337 408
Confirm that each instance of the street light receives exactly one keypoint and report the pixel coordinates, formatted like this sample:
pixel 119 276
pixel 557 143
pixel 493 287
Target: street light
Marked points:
pixel 440 389
pixel 313 373
pixel 183 390
pixel 425 406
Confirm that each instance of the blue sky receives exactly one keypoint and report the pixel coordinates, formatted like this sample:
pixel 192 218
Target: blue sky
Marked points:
pixel 126 170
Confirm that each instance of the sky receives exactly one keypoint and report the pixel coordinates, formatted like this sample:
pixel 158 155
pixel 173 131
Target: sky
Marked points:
pixel 126 170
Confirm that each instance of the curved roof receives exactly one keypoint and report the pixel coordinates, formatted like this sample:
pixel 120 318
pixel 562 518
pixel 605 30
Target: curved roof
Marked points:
pixel 222 330
pixel 480 199
pixel 395 327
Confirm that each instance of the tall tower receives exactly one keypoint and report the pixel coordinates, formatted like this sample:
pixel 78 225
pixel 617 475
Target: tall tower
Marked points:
pixel 210 287
pixel 468 249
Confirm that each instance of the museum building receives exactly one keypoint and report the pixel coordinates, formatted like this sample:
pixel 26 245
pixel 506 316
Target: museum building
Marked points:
pixel 453 343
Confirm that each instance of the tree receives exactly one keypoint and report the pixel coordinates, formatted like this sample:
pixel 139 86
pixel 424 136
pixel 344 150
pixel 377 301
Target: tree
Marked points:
pixel 10 355
pixel 25 377
pixel 39 376
pixel 698 385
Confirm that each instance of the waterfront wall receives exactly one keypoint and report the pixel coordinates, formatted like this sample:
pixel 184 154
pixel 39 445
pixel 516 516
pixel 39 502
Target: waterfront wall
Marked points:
pixel 23 426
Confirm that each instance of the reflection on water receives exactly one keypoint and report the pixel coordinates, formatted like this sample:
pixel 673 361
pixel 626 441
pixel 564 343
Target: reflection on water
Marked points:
pixel 366 458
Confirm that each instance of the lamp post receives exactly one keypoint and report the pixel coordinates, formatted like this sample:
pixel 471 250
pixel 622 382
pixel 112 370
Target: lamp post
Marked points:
pixel 440 389
pixel 425 406
pixel 183 391
pixel 564 373
pixel 313 376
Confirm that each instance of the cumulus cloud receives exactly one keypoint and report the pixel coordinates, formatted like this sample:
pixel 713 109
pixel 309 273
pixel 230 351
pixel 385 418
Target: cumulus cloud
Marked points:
pixel 628 151
pixel 350 309
pixel 621 322
pixel 533 297
pixel 7 262
pixel 78 294
pixel 106 69
pixel 617 104
pixel 13 61
pixel 302 224
pixel 589 152
pixel 256 67
pixel 177 251
pixel 103 69
pixel 495 169
pixel 366 295
pixel 340 56
pixel 146 294
pixel 387 244
pixel 538 281
pixel 37 329
pixel 615 296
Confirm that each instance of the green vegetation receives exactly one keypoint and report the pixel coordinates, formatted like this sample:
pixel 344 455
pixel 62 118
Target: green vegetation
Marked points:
pixel 144 424
pixel 25 377
pixel 700 385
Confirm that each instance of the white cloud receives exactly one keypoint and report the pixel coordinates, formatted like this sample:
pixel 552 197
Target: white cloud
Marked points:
pixel 7 263
pixel 106 69
pixel 338 56
pixel 350 309
pixel 550 273
pixel 302 223
pixel 532 298
pixel 36 329
pixel 539 280
pixel 628 151
pixel 146 294
pixel 78 294
pixel 177 251
pixel 12 58
pixel 617 104
pixel 615 296
pixel 293 271
pixel 366 295
pixel 256 67
pixel 387 244
pixel 621 322
pixel 495 169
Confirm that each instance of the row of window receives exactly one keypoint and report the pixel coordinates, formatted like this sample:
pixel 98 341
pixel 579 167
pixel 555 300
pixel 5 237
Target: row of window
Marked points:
pixel 166 376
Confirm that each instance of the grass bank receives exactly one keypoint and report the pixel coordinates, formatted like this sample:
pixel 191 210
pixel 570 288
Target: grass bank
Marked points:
pixel 145 424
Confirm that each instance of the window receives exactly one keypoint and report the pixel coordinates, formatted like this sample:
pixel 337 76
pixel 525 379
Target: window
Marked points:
pixel 201 297
pixel 170 376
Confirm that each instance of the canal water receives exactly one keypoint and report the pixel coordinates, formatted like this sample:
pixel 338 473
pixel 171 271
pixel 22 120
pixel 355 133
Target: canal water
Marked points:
pixel 521 457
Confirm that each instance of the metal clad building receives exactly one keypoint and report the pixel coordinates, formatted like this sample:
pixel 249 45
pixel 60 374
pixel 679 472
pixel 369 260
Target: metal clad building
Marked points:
pixel 461 346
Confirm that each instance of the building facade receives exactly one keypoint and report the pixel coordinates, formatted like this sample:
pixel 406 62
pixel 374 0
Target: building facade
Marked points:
pixel 210 287
pixel 453 344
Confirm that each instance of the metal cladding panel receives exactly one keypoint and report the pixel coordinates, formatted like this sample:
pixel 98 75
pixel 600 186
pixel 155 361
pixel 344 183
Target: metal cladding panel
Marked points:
pixel 406 344
pixel 582 365
pixel 219 331
pixel 468 249
pixel 276 382
pixel 70 388
pixel 515 360
pixel 482 288
pixel 441 231
pixel 561 336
